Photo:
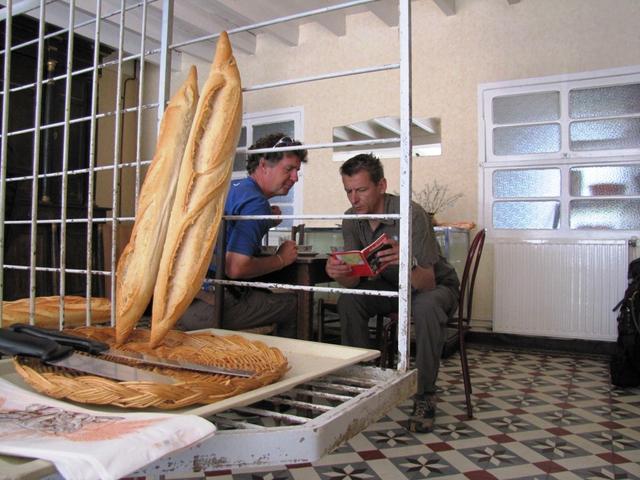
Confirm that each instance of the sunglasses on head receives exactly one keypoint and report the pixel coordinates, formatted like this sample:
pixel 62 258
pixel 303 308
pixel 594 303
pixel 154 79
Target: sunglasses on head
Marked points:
pixel 283 142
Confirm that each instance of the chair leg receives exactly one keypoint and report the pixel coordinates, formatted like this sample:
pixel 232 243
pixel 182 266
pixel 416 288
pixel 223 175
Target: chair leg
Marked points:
pixel 320 320
pixel 466 378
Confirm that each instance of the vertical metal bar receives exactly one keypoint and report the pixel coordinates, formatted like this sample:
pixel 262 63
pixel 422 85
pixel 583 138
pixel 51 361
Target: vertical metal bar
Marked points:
pixel 165 57
pixel 36 164
pixel 92 159
pixel 65 158
pixel 3 144
pixel 115 210
pixel 143 33
pixel 404 293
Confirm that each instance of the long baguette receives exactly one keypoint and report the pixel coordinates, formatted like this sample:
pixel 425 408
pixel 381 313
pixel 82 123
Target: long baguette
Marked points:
pixel 139 263
pixel 47 311
pixel 202 188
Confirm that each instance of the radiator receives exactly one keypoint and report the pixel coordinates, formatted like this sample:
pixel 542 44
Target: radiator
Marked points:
pixel 557 288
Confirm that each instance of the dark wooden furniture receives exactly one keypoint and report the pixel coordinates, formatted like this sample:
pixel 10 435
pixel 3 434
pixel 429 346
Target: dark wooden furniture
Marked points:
pixel 18 203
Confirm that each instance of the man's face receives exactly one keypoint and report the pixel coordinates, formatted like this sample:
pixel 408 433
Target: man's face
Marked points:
pixel 365 196
pixel 282 176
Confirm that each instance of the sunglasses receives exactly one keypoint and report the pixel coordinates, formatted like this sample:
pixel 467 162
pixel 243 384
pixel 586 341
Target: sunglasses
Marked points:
pixel 283 142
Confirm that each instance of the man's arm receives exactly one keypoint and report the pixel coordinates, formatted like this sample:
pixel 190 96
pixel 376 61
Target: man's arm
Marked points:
pixel 240 266
pixel 422 278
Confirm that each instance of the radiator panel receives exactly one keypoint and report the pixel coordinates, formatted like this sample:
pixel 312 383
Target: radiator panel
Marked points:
pixel 556 288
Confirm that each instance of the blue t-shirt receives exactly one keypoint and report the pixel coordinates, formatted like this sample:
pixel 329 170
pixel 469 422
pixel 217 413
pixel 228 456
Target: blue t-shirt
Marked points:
pixel 246 198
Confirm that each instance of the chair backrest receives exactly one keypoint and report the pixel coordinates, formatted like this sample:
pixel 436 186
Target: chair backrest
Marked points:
pixel 469 276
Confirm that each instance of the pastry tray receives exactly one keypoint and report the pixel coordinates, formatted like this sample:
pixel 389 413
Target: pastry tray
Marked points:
pixel 307 361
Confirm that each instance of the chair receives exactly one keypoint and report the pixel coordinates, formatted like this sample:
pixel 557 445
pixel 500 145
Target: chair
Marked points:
pixel 460 321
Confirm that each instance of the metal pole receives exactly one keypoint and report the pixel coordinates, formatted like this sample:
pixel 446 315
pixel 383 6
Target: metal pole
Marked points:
pixel 92 162
pixel 3 144
pixel 65 160
pixel 36 164
pixel 165 58
pixel 404 299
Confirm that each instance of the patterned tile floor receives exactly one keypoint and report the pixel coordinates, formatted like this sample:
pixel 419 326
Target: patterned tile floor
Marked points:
pixel 537 416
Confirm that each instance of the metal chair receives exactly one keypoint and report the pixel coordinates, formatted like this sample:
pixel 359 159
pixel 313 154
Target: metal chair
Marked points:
pixel 460 321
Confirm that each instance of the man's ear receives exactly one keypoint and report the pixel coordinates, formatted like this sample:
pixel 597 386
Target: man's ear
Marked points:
pixel 382 185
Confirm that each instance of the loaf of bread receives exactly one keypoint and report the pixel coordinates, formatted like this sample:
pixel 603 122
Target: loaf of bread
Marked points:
pixel 140 260
pixel 47 311
pixel 202 188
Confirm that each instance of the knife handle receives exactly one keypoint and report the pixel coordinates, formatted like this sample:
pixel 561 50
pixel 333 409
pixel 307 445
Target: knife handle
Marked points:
pixel 16 343
pixel 83 344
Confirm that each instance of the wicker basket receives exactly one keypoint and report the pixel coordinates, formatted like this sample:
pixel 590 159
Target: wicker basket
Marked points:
pixel 232 351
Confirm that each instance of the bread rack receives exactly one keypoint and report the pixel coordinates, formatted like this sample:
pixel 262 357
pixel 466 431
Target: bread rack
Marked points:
pixel 328 409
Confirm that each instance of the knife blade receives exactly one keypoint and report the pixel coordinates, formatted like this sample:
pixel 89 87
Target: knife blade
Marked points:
pixel 95 347
pixel 53 353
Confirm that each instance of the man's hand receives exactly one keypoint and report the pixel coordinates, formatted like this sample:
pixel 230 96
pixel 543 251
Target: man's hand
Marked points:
pixel 340 272
pixel 389 255
pixel 288 252
pixel 275 210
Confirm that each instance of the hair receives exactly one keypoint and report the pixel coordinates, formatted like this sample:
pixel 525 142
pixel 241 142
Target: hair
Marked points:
pixel 364 161
pixel 272 158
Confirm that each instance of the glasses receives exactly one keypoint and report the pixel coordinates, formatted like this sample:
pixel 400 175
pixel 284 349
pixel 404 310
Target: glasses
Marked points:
pixel 283 142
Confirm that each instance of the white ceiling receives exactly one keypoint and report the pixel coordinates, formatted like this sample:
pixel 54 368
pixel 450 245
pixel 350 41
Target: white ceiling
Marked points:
pixel 201 18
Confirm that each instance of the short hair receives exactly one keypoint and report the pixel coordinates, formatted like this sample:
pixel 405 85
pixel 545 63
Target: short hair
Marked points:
pixel 270 141
pixel 364 161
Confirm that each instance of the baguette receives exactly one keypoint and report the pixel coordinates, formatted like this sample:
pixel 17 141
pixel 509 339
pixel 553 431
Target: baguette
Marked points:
pixel 47 311
pixel 202 188
pixel 139 263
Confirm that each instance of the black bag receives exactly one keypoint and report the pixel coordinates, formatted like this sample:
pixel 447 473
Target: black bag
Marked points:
pixel 625 362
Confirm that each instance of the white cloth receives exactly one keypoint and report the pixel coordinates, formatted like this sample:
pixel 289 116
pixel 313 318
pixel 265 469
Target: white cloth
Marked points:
pixel 85 444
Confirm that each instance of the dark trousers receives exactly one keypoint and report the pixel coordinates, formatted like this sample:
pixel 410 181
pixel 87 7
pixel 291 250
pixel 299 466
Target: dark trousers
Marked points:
pixel 247 308
pixel 430 312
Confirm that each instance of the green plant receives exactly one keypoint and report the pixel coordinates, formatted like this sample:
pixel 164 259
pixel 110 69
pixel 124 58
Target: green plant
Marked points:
pixel 435 198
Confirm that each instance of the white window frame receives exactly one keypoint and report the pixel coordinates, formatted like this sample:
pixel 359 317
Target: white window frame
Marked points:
pixel 564 159
pixel 294 114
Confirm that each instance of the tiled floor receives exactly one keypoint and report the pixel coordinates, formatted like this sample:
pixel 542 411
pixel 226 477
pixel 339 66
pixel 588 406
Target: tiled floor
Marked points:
pixel 537 415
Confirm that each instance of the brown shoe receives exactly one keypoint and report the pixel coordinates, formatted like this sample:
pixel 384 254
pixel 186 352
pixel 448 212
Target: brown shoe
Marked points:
pixel 423 417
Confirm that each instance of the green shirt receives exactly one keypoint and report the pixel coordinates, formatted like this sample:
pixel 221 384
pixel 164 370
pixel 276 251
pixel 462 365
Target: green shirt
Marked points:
pixel 357 234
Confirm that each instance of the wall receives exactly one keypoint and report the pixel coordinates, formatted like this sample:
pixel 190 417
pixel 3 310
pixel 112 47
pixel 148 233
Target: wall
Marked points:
pixel 486 41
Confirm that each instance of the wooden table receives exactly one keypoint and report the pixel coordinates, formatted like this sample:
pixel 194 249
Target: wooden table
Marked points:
pixel 306 270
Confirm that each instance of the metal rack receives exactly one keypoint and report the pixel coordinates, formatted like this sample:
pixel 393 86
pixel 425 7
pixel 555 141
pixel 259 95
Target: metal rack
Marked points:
pixel 310 420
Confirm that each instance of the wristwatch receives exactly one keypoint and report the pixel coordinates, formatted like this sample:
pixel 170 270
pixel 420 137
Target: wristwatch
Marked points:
pixel 414 263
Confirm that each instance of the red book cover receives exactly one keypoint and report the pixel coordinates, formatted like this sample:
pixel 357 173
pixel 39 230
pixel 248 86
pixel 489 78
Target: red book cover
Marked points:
pixel 364 263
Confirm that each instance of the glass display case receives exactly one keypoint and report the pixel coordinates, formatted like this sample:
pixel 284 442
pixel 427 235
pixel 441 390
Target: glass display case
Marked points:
pixel 454 243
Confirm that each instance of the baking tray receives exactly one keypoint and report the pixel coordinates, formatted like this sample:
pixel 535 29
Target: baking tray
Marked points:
pixel 307 361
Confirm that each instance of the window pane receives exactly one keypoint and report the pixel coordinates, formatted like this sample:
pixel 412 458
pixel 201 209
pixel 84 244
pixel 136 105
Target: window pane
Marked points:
pixel 623 214
pixel 287 128
pixel 526 139
pixel 240 160
pixel 604 101
pixel 287 209
pixel 526 215
pixel 599 181
pixel 608 134
pixel 526 183
pixel 527 108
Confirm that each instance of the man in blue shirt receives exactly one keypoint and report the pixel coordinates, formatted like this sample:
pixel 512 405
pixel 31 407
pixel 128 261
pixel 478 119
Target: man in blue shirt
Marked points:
pixel 270 174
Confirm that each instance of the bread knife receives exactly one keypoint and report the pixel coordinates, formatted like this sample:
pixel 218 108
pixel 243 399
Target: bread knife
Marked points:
pixel 95 347
pixel 53 353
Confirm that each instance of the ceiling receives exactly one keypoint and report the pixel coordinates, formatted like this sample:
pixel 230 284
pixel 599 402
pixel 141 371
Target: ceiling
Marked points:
pixel 195 19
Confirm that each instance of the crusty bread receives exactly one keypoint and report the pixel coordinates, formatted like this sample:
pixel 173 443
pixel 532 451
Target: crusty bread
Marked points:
pixel 202 188
pixel 47 311
pixel 139 263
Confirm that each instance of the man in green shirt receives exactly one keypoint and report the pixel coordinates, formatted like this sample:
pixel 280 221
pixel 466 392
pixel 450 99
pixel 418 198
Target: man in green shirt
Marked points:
pixel 434 283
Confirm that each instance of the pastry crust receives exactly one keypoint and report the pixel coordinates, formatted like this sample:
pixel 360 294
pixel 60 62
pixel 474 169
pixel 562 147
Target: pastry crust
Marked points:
pixel 140 261
pixel 202 189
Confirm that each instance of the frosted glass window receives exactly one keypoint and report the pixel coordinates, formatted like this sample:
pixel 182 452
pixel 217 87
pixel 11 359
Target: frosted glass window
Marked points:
pixel 605 101
pixel 527 108
pixel 604 214
pixel 542 182
pixel 525 139
pixel 526 215
pixel 610 134
pixel 605 181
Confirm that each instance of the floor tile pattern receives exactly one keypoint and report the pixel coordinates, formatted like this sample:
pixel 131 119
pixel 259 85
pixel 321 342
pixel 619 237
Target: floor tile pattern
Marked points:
pixel 537 416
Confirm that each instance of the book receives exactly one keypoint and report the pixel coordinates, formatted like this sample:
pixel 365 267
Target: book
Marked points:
pixel 365 262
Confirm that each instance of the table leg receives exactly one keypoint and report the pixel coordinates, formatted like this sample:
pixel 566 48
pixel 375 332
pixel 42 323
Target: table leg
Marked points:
pixel 305 315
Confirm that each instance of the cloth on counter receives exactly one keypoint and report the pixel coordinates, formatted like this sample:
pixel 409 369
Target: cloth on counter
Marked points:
pixel 85 444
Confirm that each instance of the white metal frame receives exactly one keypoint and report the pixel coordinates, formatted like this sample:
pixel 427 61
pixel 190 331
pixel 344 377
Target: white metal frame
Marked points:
pixel 378 391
